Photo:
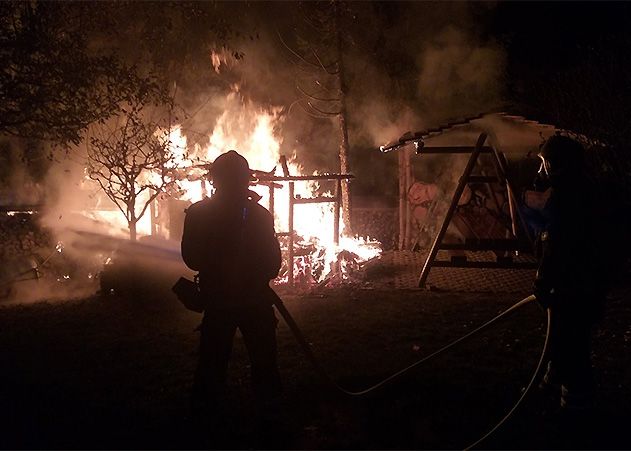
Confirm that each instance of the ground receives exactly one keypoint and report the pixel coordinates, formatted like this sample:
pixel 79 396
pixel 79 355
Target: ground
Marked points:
pixel 114 371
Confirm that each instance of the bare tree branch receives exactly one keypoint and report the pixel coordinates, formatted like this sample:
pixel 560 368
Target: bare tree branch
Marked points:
pixel 296 54
pixel 326 113
pixel 323 66
pixel 127 159
pixel 312 114
pixel 314 97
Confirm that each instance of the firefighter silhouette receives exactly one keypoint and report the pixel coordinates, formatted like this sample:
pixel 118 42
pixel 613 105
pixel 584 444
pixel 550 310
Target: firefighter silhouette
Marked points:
pixel 229 238
pixel 570 280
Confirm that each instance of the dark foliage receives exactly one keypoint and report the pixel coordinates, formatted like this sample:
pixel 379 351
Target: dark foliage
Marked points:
pixel 573 73
pixel 51 85
pixel 64 66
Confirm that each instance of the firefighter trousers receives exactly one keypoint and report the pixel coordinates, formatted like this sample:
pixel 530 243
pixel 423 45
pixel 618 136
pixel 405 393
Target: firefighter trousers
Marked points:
pixel 258 327
pixel 570 359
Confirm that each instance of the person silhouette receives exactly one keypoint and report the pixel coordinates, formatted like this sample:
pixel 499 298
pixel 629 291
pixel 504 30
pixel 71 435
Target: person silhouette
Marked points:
pixel 230 240
pixel 571 278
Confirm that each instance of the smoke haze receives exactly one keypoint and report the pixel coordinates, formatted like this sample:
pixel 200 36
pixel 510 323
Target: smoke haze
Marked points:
pixel 408 66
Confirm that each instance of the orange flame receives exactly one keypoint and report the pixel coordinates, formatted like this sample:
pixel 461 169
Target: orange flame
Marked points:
pixel 255 133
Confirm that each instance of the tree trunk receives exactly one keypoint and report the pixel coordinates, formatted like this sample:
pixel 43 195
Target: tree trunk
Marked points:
pixel 345 169
pixel 153 216
pixel 132 220
pixel 344 145
pixel 132 230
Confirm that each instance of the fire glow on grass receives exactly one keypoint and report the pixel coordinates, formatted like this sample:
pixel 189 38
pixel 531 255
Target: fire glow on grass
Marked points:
pixel 254 133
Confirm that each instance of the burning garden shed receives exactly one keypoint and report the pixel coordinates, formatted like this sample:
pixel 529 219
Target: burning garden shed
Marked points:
pixel 307 207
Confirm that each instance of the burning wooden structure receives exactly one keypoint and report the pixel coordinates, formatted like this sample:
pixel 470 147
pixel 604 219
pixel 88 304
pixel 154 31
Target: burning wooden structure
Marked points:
pixel 274 182
pixel 288 233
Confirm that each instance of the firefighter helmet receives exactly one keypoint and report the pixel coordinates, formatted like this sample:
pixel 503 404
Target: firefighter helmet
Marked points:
pixel 230 166
pixel 562 153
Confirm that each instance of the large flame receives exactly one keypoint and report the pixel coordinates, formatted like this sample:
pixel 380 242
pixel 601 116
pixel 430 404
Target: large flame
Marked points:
pixel 255 133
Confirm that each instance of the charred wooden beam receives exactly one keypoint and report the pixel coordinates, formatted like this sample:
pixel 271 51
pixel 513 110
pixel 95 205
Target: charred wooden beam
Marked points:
pixel 269 183
pixel 314 200
pixel 487 245
pixel 308 178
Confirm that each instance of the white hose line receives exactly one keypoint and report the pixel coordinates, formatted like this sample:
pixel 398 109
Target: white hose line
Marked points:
pixel 311 357
pixel 320 369
pixel 523 395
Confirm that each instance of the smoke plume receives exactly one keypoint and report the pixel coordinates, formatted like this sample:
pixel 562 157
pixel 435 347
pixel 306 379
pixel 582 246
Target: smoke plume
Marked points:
pixel 408 66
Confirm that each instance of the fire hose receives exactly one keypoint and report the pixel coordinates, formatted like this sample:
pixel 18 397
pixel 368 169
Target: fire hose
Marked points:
pixel 306 348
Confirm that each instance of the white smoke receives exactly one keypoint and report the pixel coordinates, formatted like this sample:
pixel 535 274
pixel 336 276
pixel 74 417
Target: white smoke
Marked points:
pixel 460 76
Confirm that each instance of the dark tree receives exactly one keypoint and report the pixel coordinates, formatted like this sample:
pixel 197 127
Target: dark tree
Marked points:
pixel 590 97
pixel 65 65
pixel 52 86
pixel 322 81
pixel 574 73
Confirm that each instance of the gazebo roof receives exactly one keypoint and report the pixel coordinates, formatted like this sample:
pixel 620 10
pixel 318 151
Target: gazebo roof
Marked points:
pixel 505 129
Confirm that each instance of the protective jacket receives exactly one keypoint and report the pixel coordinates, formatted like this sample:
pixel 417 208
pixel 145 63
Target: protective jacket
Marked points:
pixel 570 269
pixel 233 246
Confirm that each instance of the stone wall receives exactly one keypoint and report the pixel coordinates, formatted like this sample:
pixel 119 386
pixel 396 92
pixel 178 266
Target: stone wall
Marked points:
pixel 33 261
pixel 20 235
pixel 379 223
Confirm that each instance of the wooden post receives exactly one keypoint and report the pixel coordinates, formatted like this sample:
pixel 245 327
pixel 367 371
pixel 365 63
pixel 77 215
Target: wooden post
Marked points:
pixel 408 210
pixel 271 198
pixel 290 241
pixel 336 212
pixel 511 209
pixel 336 222
pixel 402 195
pixel 450 212
pixel 501 168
